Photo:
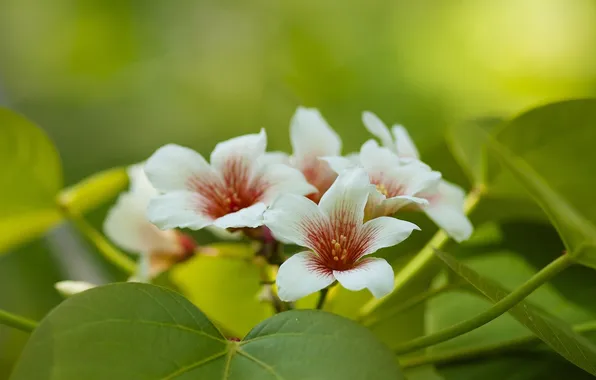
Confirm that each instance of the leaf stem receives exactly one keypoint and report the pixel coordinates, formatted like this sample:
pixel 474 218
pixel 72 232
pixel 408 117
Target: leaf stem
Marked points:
pixel 16 321
pixel 108 251
pixel 424 257
pixel 495 311
pixel 322 298
pixel 483 351
pixel 411 302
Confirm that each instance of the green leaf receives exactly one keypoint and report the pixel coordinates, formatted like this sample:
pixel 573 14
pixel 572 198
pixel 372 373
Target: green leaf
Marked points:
pixel 225 289
pixel 467 142
pixel 557 335
pixel 31 178
pixel 550 151
pixel 93 191
pixel 137 331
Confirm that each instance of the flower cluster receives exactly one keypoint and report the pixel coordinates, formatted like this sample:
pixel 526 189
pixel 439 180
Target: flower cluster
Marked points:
pixel 339 208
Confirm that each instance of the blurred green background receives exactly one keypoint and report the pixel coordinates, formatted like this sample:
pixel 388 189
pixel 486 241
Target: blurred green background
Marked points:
pixel 112 80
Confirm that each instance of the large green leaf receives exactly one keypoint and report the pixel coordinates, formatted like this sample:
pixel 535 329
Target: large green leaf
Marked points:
pixel 30 178
pixel 138 331
pixel 550 151
pixel 557 335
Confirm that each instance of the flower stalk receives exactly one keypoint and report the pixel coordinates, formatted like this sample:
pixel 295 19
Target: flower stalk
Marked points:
pixel 495 311
pixel 17 322
pixel 484 351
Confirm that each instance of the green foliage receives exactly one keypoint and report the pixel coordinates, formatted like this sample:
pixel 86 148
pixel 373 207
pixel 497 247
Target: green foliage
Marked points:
pixel 550 151
pixel 225 289
pixel 555 333
pixel 31 178
pixel 136 331
pixel 93 191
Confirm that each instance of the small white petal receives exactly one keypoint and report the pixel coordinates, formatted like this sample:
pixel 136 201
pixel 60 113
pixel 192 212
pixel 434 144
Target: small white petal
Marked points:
pixel 339 164
pixel 404 143
pixel 128 227
pixel 378 128
pixel 373 273
pixel 374 158
pixel 274 158
pixel 283 179
pixel 446 209
pixel 172 166
pixel 311 136
pixel 291 217
pixel 347 197
pixel 296 278
pixel 354 158
pixel 139 183
pixel 386 232
pixel 378 205
pixel 247 217
pixel 248 147
pixel 70 288
pixel 452 220
pixel 178 209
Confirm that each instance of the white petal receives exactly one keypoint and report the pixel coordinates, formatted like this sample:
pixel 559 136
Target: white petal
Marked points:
pixel 292 217
pixel 70 288
pixel 247 217
pixel 405 145
pixel 283 179
pixel 311 136
pixel 378 205
pixel 139 183
pixel 374 157
pixel 128 227
pixel 248 147
pixel 452 220
pixel 372 273
pixel 417 177
pixel 446 209
pixel 172 166
pixel 386 232
pixel 178 209
pixel 339 164
pixel 378 128
pixel 296 278
pixel 274 158
pixel 347 197
pixel 354 158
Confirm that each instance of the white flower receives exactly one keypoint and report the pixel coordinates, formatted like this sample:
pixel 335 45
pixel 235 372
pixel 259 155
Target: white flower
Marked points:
pixel 70 288
pixel 128 227
pixel 398 184
pixel 231 192
pixel 446 200
pixel 311 138
pixel 337 239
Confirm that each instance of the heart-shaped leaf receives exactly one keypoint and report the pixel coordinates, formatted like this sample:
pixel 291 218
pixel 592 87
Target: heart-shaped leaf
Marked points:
pixel 137 331
pixel 31 178
pixel 557 335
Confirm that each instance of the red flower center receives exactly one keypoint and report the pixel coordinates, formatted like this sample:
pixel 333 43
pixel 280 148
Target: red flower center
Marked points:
pixel 236 188
pixel 389 187
pixel 338 245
